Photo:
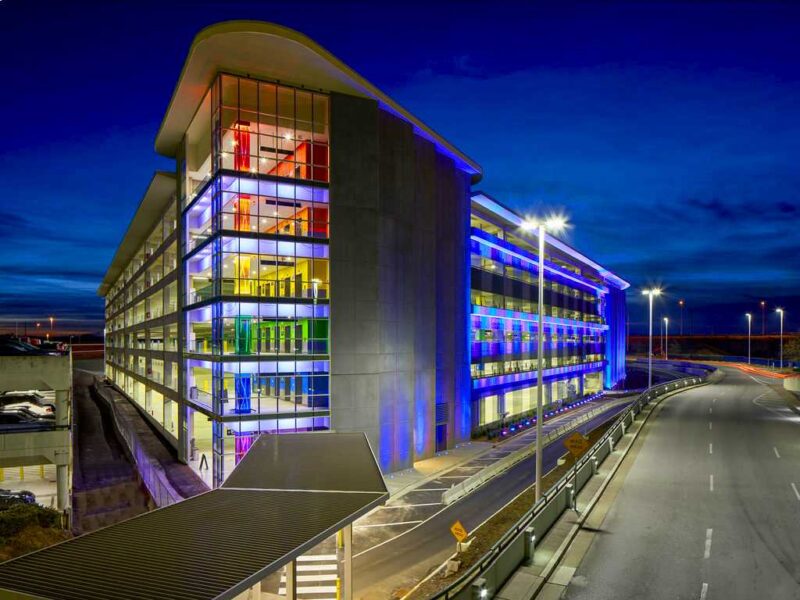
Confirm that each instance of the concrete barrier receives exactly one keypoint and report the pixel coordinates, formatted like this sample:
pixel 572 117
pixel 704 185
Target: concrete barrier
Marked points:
pixel 792 384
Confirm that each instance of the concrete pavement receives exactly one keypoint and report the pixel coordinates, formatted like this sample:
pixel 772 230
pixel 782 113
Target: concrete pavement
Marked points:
pixel 710 507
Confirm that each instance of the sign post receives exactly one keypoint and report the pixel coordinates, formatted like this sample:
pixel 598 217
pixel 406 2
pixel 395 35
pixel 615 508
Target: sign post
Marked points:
pixel 459 532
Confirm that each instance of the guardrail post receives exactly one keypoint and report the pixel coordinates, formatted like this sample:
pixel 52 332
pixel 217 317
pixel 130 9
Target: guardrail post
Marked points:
pixel 622 424
pixel 530 544
pixel 595 465
pixel 571 496
pixel 479 591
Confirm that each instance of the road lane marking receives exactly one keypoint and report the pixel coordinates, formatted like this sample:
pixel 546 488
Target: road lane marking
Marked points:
pixel 774 449
pixel 710 411
pixel 711 448
pixel 710 425
pixel 796 493
pixel 410 505
pixel 707 552
pixel 710 483
pixel 703 591
pixel 387 524
pixel 428 490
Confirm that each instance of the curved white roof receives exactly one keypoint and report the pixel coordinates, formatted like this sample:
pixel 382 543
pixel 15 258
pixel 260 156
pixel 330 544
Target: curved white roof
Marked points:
pixel 269 51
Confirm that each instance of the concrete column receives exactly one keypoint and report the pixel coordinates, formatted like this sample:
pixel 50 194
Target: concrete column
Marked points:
pixel 347 588
pixel 62 487
pixel 62 408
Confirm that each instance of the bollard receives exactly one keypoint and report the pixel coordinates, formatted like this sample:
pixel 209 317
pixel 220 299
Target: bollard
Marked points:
pixel 22 473
pixel 595 465
pixel 338 589
pixel 479 591
pixel 2 474
pixel 530 544
pixel 41 471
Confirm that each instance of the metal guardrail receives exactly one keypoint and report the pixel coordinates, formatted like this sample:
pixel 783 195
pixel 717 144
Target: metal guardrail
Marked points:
pixel 516 545
pixel 459 490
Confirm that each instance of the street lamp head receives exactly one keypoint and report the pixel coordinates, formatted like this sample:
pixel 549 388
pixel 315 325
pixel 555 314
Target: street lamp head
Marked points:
pixel 680 302
pixel 555 223
pixel 666 320
pixel 779 311
pixel 652 292
pixel 763 303
pixel 749 316
pixel 530 225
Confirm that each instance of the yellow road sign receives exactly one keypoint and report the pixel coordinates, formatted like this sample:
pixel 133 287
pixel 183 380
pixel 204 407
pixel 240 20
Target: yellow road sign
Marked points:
pixel 458 531
pixel 576 444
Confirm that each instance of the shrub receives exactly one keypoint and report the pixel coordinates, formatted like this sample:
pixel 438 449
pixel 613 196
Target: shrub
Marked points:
pixel 19 516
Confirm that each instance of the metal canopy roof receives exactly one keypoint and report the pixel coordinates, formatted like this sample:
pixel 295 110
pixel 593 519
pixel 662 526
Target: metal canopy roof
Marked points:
pixel 218 544
pixel 159 192
pixel 266 50
pixel 333 461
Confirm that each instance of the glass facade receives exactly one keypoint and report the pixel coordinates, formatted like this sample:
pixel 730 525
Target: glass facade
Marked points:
pixel 255 267
pixel 504 323
pixel 142 313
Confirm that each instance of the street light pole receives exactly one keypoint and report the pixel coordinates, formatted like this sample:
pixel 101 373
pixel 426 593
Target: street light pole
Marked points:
pixel 680 303
pixel 650 293
pixel 780 312
pixel 554 225
pixel 666 338
pixel 763 317
pixel 749 330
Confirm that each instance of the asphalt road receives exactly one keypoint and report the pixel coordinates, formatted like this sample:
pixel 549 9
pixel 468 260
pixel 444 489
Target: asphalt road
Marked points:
pixel 432 537
pixel 673 532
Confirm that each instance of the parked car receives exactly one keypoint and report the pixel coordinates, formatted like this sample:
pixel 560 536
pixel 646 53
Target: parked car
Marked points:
pixel 13 347
pixel 19 418
pixel 43 412
pixel 32 396
pixel 9 498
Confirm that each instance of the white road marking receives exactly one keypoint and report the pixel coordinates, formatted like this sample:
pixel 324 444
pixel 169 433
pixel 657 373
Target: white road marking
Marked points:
pixel 428 490
pixel 711 448
pixel 315 557
pixel 710 411
pixel 453 476
pixel 711 483
pixel 411 505
pixel 387 524
pixel 775 450
pixel 710 424
pixel 703 591
pixel 796 493
pixel 713 400
pixel 707 552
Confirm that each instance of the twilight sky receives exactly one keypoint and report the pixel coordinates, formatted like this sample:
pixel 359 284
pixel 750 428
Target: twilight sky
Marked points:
pixel 670 133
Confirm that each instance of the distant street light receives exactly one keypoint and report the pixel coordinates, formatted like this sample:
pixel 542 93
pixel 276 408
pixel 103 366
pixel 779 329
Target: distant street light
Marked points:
pixel 51 323
pixel 650 293
pixel 553 224
pixel 749 329
pixel 666 338
pixel 763 317
pixel 681 303
pixel 780 312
